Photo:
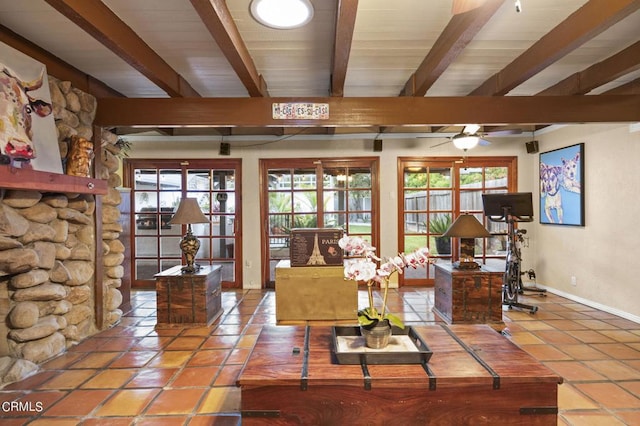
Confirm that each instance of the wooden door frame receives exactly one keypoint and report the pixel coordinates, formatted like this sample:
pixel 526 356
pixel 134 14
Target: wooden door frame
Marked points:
pixel 128 166
pixel 287 163
pixel 456 163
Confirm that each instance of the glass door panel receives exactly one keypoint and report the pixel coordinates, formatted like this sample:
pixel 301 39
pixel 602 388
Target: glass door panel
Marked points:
pixel 155 193
pixel 427 195
pixel 474 181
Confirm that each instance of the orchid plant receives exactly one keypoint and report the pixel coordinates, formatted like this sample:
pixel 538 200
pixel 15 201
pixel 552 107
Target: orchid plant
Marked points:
pixel 364 267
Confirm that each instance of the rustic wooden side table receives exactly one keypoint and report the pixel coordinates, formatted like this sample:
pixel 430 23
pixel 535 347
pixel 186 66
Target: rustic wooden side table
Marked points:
pixel 189 299
pixel 468 296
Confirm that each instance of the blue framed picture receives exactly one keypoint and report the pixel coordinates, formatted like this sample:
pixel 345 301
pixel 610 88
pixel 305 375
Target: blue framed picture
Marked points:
pixel 562 186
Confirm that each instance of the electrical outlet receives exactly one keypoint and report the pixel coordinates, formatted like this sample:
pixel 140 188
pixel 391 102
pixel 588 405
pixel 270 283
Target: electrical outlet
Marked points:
pixel 574 281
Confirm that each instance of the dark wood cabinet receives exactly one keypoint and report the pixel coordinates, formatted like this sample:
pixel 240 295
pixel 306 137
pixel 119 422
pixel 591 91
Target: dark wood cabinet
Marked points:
pixel 189 299
pixel 468 296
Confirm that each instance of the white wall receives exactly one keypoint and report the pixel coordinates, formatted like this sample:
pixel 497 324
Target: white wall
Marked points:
pixel 602 255
pixel 392 149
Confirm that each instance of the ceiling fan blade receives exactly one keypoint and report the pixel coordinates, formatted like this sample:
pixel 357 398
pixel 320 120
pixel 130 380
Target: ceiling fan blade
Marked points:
pixel 483 142
pixel 504 132
pixel 462 6
pixel 440 144
pixel 471 129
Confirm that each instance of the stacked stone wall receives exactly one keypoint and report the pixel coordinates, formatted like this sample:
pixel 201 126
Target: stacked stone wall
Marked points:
pixel 47 253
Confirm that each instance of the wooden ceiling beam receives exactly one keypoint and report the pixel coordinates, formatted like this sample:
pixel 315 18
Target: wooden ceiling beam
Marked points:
pixel 216 17
pixel 56 66
pixel 581 83
pixel 462 6
pixel 460 30
pixel 258 131
pixel 101 23
pixel 361 112
pixel 345 23
pixel 581 26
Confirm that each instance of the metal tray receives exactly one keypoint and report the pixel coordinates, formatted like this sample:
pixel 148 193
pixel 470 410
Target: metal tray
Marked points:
pixel 405 347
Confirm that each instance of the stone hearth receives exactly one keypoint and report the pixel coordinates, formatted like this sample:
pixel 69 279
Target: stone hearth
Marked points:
pixel 48 250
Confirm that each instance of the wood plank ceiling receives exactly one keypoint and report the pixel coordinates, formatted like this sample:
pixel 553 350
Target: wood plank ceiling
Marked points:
pixel 206 67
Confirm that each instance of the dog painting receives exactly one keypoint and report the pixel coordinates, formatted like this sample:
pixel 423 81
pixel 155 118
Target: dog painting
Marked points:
pixel 570 180
pixel 561 183
pixel 550 177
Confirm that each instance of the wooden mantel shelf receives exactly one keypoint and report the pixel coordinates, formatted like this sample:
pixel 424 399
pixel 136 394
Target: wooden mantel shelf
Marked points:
pixel 13 178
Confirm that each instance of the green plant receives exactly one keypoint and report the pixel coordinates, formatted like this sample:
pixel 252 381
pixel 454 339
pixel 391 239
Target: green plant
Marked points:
pixel 124 147
pixel 440 224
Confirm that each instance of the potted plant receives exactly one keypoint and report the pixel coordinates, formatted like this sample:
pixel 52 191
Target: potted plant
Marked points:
pixel 439 225
pixel 375 322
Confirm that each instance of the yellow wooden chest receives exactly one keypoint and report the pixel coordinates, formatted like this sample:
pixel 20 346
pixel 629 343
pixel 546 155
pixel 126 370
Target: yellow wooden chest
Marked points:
pixel 313 293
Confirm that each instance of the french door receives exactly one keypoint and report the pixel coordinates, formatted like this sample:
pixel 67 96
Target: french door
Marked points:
pixel 156 189
pixel 434 191
pixel 315 193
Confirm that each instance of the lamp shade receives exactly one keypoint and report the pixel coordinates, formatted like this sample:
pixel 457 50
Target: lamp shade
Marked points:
pixel 466 226
pixel 188 212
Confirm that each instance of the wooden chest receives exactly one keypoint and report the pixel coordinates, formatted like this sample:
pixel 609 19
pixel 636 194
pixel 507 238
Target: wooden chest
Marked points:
pixel 314 293
pixel 316 247
pixel 474 377
pixel 189 299
pixel 468 296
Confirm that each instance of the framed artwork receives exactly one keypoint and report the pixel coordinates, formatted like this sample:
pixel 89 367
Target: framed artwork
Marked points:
pixel 562 186
pixel 28 136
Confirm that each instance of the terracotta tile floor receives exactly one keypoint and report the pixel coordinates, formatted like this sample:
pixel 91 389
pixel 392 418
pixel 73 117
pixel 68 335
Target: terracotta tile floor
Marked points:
pixel 135 374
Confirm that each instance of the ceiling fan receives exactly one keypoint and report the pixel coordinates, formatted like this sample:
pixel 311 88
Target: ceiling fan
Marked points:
pixel 469 137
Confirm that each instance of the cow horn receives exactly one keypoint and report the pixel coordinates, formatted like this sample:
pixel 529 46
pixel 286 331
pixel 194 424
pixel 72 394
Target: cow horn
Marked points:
pixel 34 84
pixel 26 85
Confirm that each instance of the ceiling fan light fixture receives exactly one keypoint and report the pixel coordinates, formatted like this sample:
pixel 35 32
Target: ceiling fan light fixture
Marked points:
pixel 464 142
pixel 282 14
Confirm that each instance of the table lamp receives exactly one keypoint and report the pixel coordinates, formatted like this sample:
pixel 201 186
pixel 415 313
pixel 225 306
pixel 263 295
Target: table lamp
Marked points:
pixel 189 212
pixel 467 228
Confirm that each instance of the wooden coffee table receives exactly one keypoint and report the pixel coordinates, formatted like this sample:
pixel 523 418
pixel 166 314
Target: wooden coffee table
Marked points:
pixel 475 376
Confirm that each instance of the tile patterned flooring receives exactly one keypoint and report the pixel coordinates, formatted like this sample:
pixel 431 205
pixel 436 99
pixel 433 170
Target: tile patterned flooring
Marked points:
pixel 135 374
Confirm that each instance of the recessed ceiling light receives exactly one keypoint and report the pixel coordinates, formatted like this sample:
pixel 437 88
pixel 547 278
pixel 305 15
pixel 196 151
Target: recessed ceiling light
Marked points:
pixel 282 14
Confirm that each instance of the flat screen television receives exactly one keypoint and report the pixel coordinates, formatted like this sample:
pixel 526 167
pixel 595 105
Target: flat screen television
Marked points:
pixel 517 204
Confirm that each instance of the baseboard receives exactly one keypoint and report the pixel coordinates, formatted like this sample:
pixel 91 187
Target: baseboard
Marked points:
pixel 592 304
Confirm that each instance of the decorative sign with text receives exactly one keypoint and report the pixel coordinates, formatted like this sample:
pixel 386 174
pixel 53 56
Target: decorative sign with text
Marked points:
pixel 316 247
pixel 300 111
